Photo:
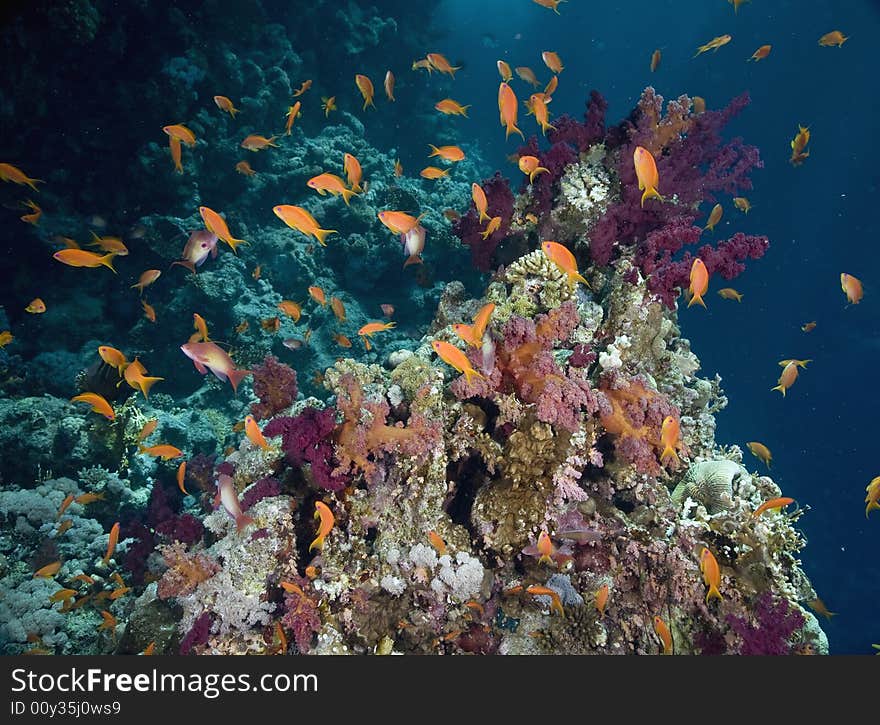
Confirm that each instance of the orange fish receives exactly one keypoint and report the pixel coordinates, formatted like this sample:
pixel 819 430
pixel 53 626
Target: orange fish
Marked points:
pixel 36 306
pixel 146 279
pixel 86 498
pixel 62 595
pixel 82 258
pixel 481 322
pixel 242 327
pixel 291 309
pixel 798 146
pixel 729 293
pixel 455 358
pixel 546 549
pixel 34 217
pixel 109 622
pixel 64 504
pixel 318 296
pixel 303 88
pixel 149 311
pixel 481 204
pixel 181 133
pixel 84 578
pixel 714 217
pixel 323 183
pixel 163 450
pixel 552 61
pixel 216 224
pixel 111 543
pixel 298 218
pixel 48 571
pixel 433 173
pixel 493 226
pixel 835 37
pixel 5 338
pixel 550 88
pixel 338 308
pixel 150 649
pixel 808 326
pixel 341 339
pixel 440 64
pixel 328 104
pixel 271 324
pixel 323 513
pixel 507 108
pixel 538 106
pixel 98 402
pixel 773 503
pixel 8 172
pixel 113 357
pixel 528 75
pixel 224 104
pixel 180 476
pixel 711 573
pixel 670 435
pixel 714 44
pixel 437 542
pixel 109 244
pixel 399 222
pixel 760 53
pixel 447 153
pixel 365 86
pixel 873 497
pixel 176 154
pixel 664 634
pixel 504 71
pixel 743 204
pixel 602 600
pixel 352 168
pixel 655 60
pixel 699 282
pixel 818 606
pixel 291 115
pixel 372 327
pixel 760 451
pixel 209 356
pixel 736 4
pixel 555 601
pixel 852 288
pixel 787 377
pixel 389 85
pixel 244 168
pixel 646 171
pixel 530 166
pixel 699 104
pixel 255 142
pixel 398 168
pixel 120 592
pixel 564 259
pixel 201 328
pixel 451 107
pixel 254 434
pixel 551 4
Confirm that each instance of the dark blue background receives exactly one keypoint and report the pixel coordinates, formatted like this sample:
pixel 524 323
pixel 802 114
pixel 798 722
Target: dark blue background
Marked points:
pixel 820 218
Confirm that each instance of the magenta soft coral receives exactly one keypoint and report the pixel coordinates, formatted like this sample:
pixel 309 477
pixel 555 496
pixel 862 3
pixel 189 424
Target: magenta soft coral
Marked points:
pixel 275 386
pixel 301 617
pixel 770 628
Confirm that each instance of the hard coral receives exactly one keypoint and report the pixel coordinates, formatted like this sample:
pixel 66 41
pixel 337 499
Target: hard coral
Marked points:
pixel 275 386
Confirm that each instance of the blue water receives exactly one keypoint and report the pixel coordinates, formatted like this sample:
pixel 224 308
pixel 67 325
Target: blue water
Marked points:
pixel 818 217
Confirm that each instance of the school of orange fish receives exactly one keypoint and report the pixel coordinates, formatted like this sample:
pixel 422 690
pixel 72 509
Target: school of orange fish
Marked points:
pixel 208 355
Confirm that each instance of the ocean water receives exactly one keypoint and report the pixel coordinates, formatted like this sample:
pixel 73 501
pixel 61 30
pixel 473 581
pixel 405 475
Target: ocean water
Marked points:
pixel 87 89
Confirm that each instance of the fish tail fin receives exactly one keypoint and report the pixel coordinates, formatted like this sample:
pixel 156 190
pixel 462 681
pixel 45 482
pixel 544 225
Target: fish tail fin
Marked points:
pixel 464 109
pixel 235 243
pixel 872 506
pixel 275 145
pixel 107 261
pixel 780 388
pixel 469 372
pixel 233 110
pixel 669 452
pixel 512 127
pixel 347 194
pixel 147 383
pixel 577 277
pixel 412 259
pixel 321 235
pixel 713 592
pixel 242 522
pixel 536 172
pixel 185 263
pixel 236 376
pixel 651 192
pixel 31 182
pixel 698 299
pixel 434 150
pixel 484 215
pixel 318 543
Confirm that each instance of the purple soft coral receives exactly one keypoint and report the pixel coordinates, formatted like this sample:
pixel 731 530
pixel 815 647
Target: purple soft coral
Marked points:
pixel 769 631
pixel 470 231
pixel 275 386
